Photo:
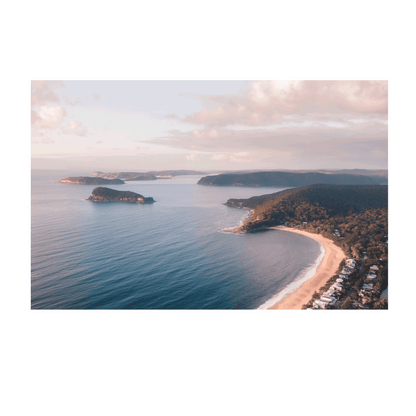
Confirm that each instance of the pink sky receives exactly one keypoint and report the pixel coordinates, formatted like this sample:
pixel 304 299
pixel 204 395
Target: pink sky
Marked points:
pixel 145 125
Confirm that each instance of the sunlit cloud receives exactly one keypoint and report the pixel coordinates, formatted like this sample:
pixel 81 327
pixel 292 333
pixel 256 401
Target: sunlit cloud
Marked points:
pixel 266 101
pixel 270 124
pixel 193 157
pixel 240 157
pixel 48 117
pixel 74 127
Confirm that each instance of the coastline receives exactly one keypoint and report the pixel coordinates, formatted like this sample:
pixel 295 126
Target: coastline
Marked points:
pixel 322 271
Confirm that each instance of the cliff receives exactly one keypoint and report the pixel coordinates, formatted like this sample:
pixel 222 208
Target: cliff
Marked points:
pixel 110 195
pixel 86 180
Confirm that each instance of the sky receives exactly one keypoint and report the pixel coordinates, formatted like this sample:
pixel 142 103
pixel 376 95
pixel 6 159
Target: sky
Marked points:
pixel 209 125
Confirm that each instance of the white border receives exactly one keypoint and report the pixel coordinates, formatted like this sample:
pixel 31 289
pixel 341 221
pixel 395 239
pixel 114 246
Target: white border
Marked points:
pixel 25 316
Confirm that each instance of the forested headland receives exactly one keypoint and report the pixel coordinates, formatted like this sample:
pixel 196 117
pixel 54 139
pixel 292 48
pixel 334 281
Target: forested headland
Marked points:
pixel 355 217
pixel 289 179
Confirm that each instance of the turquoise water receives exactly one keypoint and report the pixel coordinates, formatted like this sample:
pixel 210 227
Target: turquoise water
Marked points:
pixel 168 255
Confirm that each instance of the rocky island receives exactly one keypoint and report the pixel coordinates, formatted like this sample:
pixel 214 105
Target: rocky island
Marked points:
pixel 86 180
pixel 102 194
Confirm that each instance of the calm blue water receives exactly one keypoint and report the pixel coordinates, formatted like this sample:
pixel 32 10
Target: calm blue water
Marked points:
pixel 168 255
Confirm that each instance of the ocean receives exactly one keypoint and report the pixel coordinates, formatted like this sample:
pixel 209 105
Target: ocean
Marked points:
pixel 173 254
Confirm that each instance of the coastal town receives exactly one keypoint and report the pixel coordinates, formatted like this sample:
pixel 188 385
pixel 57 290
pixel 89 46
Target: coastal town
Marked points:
pixel 356 286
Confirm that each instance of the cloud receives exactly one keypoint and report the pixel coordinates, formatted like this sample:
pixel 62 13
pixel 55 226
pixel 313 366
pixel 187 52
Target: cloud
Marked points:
pixel 240 157
pixel 37 133
pixel 99 141
pixel 74 127
pixel 289 135
pixel 48 117
pixel 96 96
pixel 43 92
pixel 267 101
pixel 47 140
pixel 193 157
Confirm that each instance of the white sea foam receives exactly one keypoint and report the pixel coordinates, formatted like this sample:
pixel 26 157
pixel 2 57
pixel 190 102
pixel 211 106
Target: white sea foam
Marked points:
pixel 242 220
pixel 302 278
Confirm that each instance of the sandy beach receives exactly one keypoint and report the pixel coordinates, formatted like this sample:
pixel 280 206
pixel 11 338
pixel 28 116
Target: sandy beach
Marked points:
pixel 326 269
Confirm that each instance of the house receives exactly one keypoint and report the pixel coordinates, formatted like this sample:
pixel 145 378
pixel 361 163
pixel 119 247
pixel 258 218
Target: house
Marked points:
pixel 320 304
pixel 339 280
pixel 329 293
pixel 327 299
pixel 368 286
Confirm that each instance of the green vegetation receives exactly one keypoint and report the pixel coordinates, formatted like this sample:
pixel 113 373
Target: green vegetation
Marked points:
pixel 355 217
pixel 110 195
pixel 86 180
pixel 289 179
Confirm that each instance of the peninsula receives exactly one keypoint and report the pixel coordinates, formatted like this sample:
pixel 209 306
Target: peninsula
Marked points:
pixel 146 176
pixel 289 179
pixel 349 221
pixel 127 176
pixel 102 194
pixel 86 180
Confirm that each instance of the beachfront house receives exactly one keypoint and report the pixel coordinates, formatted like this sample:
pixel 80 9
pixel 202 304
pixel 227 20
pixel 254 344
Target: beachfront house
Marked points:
pixel 329 292
pixel 368 286
pixel 327 299
pixel 320 304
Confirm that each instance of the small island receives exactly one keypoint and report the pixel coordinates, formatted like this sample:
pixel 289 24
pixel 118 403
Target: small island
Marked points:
pixel 86 180
pixel 102 194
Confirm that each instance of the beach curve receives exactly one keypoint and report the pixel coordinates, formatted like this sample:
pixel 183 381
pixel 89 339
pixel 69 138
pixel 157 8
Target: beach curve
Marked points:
pixel 326 268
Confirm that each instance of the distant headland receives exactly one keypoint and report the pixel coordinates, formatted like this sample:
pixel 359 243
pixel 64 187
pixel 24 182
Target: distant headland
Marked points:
pixel 86 180
pixel 290 179
pixel 146 176
pixel 102 194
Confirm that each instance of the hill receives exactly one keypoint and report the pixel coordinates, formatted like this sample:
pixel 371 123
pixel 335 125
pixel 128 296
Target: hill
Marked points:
pixel 86 180
pixel 110 195
pixel 288 179
pixel 353 216
pixel 127 176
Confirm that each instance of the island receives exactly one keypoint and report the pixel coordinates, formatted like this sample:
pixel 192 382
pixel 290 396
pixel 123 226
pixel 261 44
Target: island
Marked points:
pixel 102 194
pixel 146 176
pixel 86 180
pixel 289 179
pixel 349 221
pixel 127 176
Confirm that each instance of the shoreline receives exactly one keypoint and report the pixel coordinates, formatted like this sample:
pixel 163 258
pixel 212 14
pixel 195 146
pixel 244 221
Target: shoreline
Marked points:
pixel 323 271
